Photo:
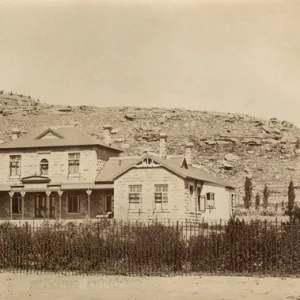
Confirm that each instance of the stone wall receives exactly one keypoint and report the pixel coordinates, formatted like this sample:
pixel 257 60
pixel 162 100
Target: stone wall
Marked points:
pixel 148 177
pixel 90 162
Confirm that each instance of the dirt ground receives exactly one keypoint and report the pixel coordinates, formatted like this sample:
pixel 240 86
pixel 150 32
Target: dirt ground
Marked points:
pixel 61 287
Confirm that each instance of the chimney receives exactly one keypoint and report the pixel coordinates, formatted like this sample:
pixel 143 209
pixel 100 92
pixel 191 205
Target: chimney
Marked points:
pixel 15 133
pixel 107 135
pixel 162 145
pixel 188 153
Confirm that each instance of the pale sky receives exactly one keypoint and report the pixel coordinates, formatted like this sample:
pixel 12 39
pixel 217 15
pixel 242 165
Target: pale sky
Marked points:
pixel 231 56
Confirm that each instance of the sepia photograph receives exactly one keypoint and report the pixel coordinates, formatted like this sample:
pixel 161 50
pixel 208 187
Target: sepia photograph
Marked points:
pixel 149 149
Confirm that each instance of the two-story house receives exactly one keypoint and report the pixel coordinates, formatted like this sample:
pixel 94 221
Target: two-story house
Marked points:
pixel 63 173
pixel 50 173
pixel 165 187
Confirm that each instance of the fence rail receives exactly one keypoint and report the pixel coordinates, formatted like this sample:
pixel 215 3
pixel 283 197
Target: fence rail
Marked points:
pixel 117 248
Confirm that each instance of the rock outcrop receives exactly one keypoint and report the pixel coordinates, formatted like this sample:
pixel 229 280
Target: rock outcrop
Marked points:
pixel 230 145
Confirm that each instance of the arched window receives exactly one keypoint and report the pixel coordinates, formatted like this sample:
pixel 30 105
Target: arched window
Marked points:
pixel 44 167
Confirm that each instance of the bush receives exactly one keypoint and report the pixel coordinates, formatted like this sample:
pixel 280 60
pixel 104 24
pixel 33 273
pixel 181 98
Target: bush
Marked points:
pixel 110 247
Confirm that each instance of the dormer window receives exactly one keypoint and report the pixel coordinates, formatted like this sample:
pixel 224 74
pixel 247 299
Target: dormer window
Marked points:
pixel 44 167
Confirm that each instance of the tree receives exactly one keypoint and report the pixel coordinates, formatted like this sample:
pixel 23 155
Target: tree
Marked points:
pixel 291 201
pixel 248 193
pixel 266 194
pixel 257 201
pixel 298 143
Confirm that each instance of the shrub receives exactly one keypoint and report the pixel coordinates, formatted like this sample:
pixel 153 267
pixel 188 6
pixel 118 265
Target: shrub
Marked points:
pixel 110 247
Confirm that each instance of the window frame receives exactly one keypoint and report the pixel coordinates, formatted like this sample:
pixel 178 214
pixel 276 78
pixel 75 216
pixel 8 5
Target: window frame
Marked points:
pixel 44 162
pixel 74 163
pixel 17 167
pixel 19 205
pixel 209 201
pixel 78 204
pixel 135 195
pixel 163 205
pixel 192 198
pixel 111 202
pixel 201 199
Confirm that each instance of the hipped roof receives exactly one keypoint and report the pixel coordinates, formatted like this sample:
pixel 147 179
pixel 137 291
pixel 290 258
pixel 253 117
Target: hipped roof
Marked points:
pixel 66 137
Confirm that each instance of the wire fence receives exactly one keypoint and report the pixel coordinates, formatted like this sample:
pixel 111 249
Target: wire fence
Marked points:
pixel 117 248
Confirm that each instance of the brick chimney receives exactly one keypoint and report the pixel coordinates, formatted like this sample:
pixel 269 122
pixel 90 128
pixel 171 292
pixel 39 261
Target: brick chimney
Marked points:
pixel 107 135
pixel 15 133
pixel 162 145
pixel 188 153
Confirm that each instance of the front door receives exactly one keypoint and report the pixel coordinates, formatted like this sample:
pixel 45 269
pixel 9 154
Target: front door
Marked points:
pixel 40 206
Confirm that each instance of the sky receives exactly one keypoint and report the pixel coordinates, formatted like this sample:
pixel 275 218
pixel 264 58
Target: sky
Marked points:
pixel 220 55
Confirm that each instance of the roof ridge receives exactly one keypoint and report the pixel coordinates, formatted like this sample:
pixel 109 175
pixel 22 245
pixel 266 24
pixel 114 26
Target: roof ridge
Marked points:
pixel 124 157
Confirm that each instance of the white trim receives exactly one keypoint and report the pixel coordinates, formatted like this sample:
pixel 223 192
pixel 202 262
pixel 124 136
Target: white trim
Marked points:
pixel 140 206
pixel 20 166
pixel 162 204
pixel 79 164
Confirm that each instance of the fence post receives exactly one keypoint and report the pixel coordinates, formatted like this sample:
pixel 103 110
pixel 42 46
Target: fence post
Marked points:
pixel 26 245
pixel 266 250
pixel 176 250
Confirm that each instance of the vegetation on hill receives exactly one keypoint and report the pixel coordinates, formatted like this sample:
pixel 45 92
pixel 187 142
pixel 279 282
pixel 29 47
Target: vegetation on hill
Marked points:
pixel 232 146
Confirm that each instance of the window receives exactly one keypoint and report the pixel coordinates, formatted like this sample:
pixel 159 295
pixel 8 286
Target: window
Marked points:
pixel 74 163
pixel 135 197
pixel 17 205
pixel 210 197
pixel 73 204
pixel 234 200
pixel 44 167
pixel 161 196
pixel 191 197
pixel 201 201
pixel 15 165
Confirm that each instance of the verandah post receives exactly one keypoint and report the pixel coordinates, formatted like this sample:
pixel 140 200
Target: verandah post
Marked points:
pixel 60 192
pixel 11 194
pixel 48 193
pixel 89 192
pixel 23 193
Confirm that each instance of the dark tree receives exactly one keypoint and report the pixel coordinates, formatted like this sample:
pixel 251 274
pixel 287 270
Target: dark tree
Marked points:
pixel 248 193
pixel 257 201
pixel 290 210
pixel 266 194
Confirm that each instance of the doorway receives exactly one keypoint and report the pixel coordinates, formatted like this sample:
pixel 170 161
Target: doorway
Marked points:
pixel 40 205
pixel 52 201
pixel 108 203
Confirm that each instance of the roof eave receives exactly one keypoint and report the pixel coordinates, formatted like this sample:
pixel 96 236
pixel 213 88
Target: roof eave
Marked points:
pixel 60 146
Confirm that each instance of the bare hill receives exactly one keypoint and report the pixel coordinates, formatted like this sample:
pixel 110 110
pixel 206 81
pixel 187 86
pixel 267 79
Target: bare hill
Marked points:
pixel 230 145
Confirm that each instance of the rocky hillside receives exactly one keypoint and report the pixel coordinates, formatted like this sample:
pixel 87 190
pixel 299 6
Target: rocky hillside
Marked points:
pixel 230 145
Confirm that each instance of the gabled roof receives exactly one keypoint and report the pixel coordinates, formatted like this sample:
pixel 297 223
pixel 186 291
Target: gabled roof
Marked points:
pixel 115 167
pixel 58 137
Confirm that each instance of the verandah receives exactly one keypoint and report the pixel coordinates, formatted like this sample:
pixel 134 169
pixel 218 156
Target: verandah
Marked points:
pixel 56 204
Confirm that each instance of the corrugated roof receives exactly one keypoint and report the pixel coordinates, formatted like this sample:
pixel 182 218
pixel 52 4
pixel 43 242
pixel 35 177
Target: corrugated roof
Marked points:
pixel 114 168
pixel 66 136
